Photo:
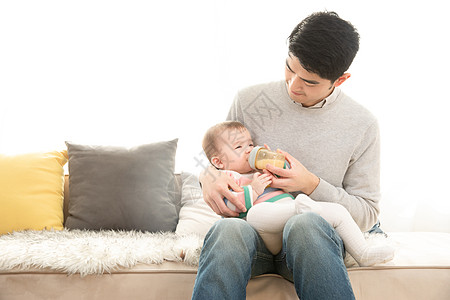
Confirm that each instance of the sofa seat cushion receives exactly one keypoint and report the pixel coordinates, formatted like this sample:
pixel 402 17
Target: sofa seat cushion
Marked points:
pixel 417 249
pixel 411 275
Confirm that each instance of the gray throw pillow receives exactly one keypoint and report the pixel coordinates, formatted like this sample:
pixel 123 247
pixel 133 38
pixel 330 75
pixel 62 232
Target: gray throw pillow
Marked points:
pixel 120 188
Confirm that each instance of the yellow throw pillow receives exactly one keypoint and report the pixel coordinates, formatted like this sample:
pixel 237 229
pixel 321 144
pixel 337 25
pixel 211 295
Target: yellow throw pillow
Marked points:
pixel 32 191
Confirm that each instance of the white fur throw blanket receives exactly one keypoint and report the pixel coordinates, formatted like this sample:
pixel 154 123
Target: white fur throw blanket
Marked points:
pixel 94 252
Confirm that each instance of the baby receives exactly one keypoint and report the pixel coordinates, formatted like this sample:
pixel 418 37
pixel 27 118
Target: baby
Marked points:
pixel 227 146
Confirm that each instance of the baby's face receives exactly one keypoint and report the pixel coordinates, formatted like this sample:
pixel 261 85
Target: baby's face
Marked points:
pixel 235 147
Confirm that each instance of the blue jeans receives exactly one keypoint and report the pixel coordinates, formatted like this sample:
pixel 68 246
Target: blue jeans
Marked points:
pixel 311 258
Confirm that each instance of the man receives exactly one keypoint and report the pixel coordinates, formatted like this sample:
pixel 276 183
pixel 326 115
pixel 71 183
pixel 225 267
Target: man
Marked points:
pixel 332 145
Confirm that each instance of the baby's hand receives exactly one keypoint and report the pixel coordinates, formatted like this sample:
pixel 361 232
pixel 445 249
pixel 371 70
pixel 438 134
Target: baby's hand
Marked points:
pixel 260 182
pixel 267 147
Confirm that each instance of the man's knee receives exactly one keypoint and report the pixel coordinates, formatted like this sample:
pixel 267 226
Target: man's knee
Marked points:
pixel 307 228
pixel 231 231
pixel 305 221
pixel 229 241
pixel 229 226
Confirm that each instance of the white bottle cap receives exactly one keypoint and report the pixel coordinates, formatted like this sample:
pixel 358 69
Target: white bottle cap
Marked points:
pixel 252 157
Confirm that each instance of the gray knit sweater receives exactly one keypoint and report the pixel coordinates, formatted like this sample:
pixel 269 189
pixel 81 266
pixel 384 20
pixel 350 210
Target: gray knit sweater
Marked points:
pixel 338 142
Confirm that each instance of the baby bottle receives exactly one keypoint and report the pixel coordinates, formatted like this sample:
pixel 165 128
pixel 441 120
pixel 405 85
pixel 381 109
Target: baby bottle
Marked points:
pixel 259 157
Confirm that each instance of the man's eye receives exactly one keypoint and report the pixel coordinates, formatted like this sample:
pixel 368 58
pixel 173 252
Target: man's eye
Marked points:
pixel 238 147
pixel 251 145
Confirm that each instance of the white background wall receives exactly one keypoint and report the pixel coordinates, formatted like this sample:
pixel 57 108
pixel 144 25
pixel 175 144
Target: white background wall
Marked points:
pixel 132 72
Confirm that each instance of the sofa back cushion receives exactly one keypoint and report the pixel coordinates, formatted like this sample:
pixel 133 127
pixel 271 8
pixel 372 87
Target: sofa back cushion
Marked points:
pixel 31 191
pixel 195 215
pixel 176 196
pixel 122 189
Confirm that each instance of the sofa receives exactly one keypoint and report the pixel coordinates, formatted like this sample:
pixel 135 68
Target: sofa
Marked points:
pixel 59 261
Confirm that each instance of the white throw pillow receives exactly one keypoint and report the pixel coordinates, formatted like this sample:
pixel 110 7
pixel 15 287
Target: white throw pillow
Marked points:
pixel 195 215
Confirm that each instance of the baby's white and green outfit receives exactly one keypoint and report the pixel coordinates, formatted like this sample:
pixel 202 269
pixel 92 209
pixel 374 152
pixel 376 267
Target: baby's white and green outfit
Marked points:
pixel 246 197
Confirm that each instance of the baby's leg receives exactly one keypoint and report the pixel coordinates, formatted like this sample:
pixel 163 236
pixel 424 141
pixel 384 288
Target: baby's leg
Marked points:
pixel 269 219
pixel 343 223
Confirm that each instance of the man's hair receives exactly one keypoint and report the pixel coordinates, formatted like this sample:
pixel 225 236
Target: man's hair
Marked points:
pixel 325 44
pixel 212 135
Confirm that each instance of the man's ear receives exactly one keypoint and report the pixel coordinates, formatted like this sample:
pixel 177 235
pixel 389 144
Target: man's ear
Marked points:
pixel 217 162
pixel 342 79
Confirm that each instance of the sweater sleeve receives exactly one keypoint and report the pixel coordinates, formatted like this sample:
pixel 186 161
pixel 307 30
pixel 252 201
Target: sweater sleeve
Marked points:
pixel 360 191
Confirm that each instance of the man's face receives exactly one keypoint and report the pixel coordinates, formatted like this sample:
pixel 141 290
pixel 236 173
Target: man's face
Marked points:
pixel 305 87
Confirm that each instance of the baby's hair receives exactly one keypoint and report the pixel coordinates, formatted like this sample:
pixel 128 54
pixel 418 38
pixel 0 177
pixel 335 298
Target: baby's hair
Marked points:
pixel 212 136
